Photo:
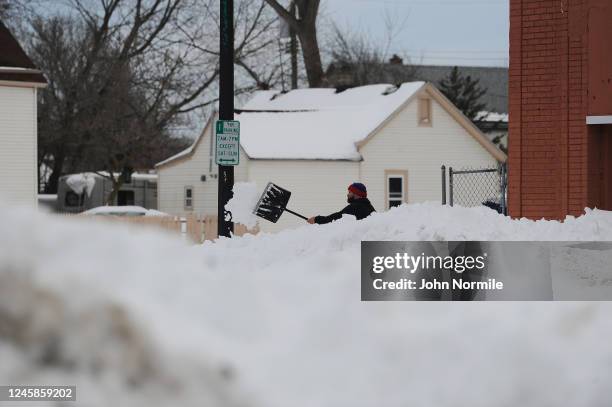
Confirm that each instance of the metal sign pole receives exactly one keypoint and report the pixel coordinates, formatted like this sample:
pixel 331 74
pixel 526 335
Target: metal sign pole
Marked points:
pixel 451 186
pixel 226 112
pixel 443 185
pixel 504 185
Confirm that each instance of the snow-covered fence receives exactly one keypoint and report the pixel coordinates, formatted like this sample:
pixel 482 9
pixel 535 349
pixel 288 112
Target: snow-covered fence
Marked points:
pixel 204 227
pixel 197 228
pixel 475 187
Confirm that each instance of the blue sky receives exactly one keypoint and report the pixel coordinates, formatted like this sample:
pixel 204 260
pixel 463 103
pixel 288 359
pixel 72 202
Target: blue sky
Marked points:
pixel 438 32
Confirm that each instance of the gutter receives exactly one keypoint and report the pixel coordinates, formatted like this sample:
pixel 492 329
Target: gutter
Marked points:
pixel 7 69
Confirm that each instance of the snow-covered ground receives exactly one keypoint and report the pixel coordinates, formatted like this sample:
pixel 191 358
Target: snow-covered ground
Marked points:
pixel 143 319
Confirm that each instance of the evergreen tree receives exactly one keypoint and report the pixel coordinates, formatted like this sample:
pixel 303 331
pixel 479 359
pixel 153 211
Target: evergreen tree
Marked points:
pixel 464 92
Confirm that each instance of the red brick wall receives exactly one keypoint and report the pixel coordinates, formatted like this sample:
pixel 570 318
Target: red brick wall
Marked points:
pixel 599 18
pixel 551 149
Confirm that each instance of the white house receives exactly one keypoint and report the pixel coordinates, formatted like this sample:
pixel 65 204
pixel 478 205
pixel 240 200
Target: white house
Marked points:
pixel 315 142
pixel 19 80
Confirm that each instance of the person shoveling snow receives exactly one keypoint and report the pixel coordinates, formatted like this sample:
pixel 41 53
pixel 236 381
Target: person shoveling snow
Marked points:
pixel 274 200
pixel 358 205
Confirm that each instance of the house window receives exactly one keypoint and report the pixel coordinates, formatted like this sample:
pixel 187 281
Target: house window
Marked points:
pixel 424 112
pixel 396 182
pixel 188 198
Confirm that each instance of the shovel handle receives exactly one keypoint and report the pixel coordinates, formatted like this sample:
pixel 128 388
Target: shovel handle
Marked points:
pixel 296 214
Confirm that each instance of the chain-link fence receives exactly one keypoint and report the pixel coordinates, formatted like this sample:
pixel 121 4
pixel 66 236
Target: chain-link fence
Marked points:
pixel 475 187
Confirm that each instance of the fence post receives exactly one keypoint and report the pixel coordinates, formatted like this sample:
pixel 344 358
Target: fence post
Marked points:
pixel 450 185
pixel 443 185
pixel 504 181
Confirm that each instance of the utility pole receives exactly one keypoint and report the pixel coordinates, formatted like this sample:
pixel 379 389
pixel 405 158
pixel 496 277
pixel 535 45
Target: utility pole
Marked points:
pixel 225 226
pixel 293 50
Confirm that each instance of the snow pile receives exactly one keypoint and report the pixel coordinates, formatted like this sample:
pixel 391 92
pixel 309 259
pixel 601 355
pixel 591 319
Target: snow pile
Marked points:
pixel 82 182
pixel 60 325
pixel 124 211
pixel 276 318
pixel 243 202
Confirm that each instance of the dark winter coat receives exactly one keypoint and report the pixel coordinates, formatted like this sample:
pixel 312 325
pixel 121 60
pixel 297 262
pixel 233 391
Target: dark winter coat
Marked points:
pixel 359 208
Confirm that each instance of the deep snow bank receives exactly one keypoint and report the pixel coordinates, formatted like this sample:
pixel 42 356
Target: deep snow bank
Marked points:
pixel 276 319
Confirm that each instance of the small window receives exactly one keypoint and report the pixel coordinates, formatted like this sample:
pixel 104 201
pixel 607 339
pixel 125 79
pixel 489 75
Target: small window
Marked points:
pixel 188 197
pixel 396 182
pixel 424 112
pixel 396 191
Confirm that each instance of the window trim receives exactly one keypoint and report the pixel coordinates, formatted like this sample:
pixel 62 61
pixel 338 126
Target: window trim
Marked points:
pixel 424 101
pixel 396 173
pixel 185 206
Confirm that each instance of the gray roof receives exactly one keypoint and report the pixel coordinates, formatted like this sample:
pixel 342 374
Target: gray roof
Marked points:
pixel 494 79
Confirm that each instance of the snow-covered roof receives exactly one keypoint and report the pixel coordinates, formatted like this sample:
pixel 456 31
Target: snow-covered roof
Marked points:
pixel 492 117
pixel 137 176
pixel 181 154
pixel 314 124
pixel 318 124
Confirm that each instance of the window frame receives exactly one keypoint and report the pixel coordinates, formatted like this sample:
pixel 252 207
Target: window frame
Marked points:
pixel 403 174
pixel 424 103
pixel 185 198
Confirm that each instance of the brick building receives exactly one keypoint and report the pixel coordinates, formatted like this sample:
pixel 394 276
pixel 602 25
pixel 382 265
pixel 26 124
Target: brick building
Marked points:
pixel 560 87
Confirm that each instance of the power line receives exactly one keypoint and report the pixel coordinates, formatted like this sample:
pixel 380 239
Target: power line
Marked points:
pixel 459 58
pixel 447 52
pixel 439 2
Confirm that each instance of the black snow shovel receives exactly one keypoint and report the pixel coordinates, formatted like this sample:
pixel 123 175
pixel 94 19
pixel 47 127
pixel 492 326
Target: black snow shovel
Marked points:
pixel 273 203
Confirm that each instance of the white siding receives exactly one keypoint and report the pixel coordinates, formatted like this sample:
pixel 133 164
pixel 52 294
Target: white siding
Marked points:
pixel 403 145
pixel 317 187
pixel 18 144
pixel 174 177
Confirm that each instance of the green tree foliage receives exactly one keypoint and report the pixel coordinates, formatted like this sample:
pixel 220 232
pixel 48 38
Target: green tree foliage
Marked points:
pixel 464 92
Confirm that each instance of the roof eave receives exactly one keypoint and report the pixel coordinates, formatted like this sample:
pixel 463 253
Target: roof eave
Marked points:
pixel 193 147
pixel 23 84
pixel 307 159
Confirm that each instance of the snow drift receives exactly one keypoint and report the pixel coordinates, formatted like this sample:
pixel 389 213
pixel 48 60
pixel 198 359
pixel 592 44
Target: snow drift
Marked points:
pixel 276 320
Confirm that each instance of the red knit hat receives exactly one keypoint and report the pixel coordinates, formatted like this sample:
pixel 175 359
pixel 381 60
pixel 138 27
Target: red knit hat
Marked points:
pixel 358 189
